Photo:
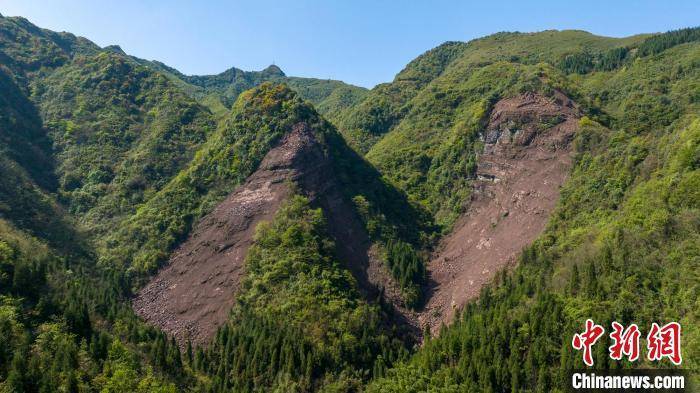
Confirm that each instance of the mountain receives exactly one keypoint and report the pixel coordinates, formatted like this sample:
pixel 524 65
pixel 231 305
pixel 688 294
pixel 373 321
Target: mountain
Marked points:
pixel 250 231
pixel 386 104
pixel 621 228
pixel 219 91
pixel 126 162
pixel 64 140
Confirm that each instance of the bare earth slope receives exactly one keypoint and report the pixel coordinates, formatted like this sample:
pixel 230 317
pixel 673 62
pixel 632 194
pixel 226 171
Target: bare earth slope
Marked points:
pixel 192 296
pixel 526 159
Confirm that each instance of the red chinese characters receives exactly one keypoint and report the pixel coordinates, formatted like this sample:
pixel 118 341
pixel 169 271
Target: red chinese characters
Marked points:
pixel 662 342
pixel 625 342
pixel 586 340
pixel 665 341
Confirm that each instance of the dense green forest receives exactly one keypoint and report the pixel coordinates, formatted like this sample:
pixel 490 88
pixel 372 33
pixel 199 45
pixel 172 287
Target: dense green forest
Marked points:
pixel 300 322
pixel 107 162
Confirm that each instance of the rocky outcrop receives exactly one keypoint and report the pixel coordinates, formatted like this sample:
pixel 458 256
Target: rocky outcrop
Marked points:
pixel 526 158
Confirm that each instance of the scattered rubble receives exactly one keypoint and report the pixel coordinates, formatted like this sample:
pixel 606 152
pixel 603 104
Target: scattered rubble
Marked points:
pixel 526 158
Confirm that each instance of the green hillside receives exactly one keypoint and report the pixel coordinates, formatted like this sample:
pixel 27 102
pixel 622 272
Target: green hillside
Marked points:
pixel 300 323
pixel 622 244
pixel 384 107
pixel 110 162
pixel 435 122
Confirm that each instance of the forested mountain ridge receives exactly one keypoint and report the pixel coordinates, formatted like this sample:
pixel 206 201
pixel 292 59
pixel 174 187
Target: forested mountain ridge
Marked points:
pixel 219 91
pixel 626 217
pixel 81 95
pixel 110 164
pixel 363 124
pixel 452 87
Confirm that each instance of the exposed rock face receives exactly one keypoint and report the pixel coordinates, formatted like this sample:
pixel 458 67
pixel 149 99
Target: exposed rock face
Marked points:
pixel 193 294
pixel 526 159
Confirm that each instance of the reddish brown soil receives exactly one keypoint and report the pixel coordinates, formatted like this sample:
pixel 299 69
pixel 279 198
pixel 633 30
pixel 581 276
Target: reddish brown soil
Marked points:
pixel 526 159
pixel 193 294
pixel 519 175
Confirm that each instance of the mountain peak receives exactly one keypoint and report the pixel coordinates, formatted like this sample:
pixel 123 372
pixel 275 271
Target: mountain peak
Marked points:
pixel 115 48
pixel 273 70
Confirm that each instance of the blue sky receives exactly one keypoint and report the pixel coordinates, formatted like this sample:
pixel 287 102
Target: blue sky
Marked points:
pixel 362 42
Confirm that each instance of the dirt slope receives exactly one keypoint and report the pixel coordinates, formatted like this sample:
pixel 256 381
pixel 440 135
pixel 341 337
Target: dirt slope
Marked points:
pixel 193 294
pixel 526 159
